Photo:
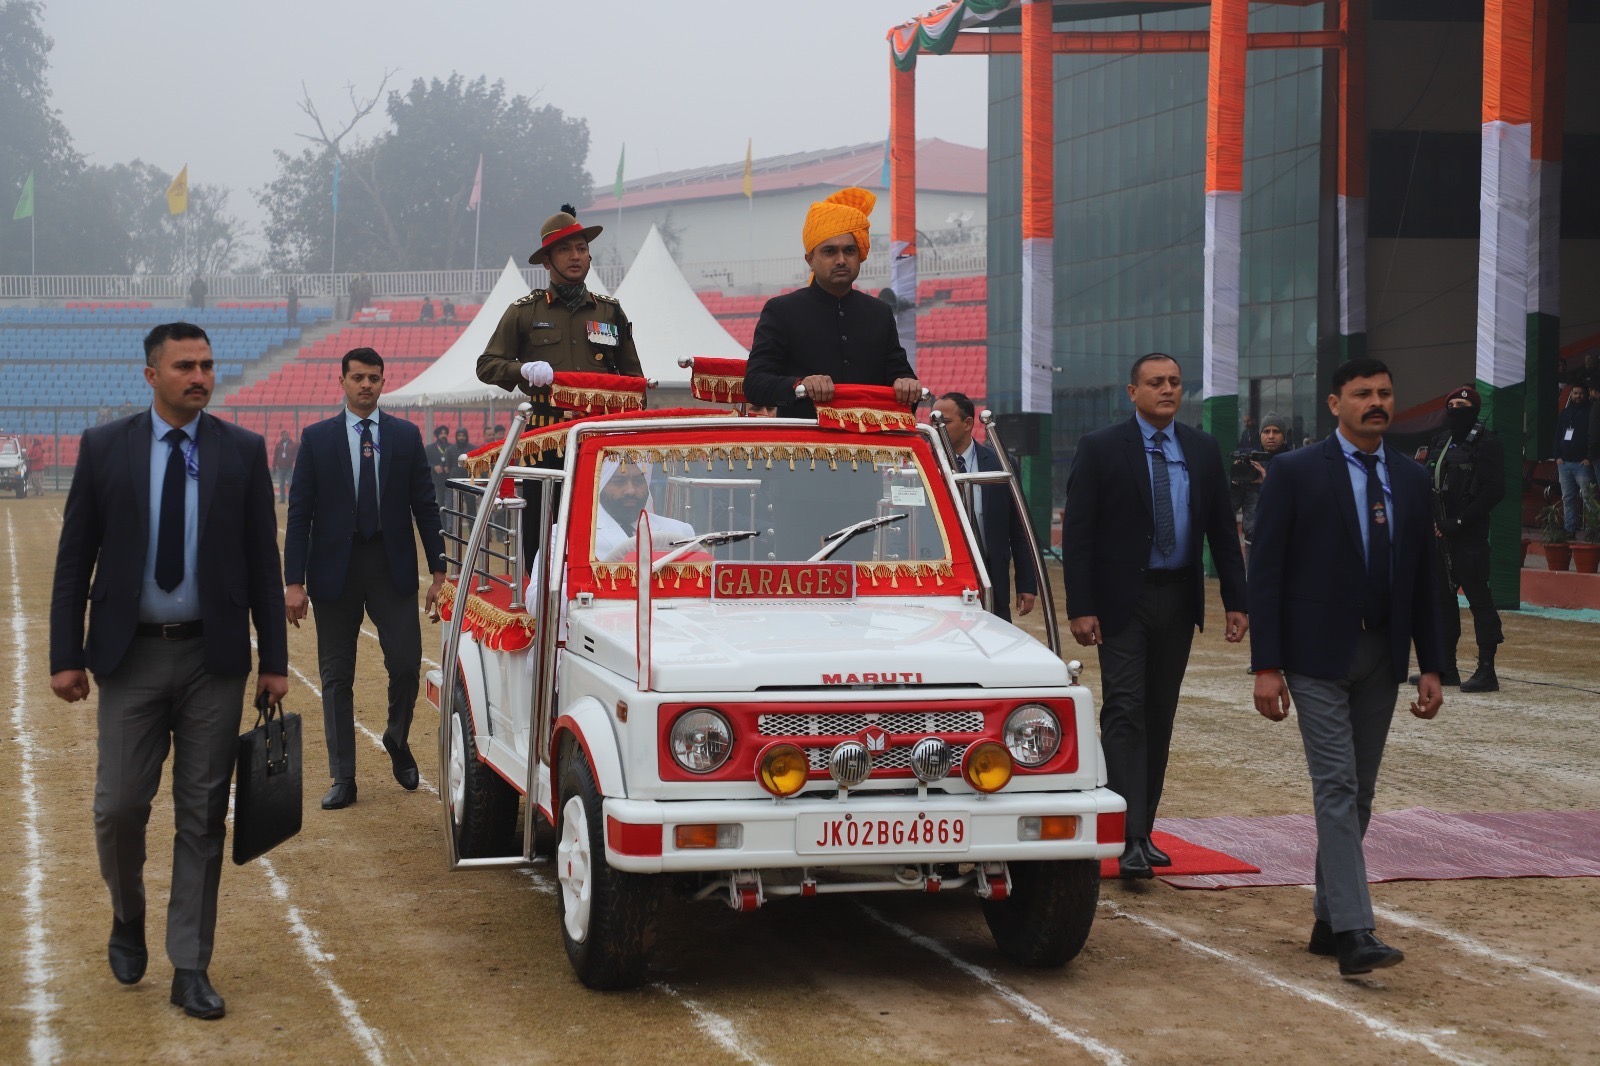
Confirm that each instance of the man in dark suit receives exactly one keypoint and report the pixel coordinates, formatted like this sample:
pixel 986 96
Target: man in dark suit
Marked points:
pixel 1341 587
pixel 1140 498
pixel 360 481
pixel 995 514
pixel 169 534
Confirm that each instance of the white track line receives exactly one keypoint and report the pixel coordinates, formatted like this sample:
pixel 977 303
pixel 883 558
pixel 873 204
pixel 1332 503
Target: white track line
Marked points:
pixel 43 1046
pixel 1029 1009
pixel 714 1025
pixel 1473 946
pixel 1240 964
pixel 373 636
pixel 370 1042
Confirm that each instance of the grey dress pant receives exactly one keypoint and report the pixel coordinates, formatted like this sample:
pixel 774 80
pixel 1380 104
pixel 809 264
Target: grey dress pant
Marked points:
pixel 368 590
pixel 1344 725
pixel 159 699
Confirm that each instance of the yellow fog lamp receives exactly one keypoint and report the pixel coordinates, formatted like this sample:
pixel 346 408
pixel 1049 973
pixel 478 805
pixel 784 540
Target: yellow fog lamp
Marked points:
pixel 987 766
pixel 782 769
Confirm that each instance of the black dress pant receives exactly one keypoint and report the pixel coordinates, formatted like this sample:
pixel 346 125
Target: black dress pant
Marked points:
pixel 1141 673
pixel 1468 570
pixel 369 590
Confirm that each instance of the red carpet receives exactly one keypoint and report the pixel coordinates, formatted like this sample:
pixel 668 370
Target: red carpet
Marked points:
pixel 1416 844
pixel 1188 860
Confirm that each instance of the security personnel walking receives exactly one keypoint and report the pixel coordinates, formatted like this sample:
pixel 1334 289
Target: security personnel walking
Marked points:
pixel 1468 470
pixel 563 327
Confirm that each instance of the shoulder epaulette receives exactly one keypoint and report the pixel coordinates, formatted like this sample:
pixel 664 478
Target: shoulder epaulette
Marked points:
pixel 607 299
pixel 536 294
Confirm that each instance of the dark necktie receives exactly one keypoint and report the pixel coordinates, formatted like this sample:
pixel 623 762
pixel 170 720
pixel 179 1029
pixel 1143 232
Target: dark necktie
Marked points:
pixel 367 487
pixel 169 534
pixel 1166 528
pixel 1375 609
pixel 961 464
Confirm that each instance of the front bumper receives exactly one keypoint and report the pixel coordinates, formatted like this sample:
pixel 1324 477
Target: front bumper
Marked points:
pixel 640 837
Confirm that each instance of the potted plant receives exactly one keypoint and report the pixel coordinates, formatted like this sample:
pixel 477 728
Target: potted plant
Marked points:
pixel 1586 553
pixel 1557 550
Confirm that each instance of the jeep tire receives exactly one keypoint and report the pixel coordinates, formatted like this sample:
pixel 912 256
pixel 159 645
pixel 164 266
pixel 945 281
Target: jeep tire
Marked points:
pixel 483 807
pixel 1046 919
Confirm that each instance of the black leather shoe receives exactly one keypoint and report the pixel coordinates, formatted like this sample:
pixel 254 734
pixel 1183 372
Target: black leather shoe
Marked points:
pixel 191 990
pixel 405 764
pixel 1360 951
pixel 1323 942
pixel 1155 855
pixel 1133 865
pixel 126 950
pixel 341 795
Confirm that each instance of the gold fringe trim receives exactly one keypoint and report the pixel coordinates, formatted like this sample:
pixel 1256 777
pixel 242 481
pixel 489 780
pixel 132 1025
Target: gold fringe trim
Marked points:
pixel 717 388
pixel 672 576
pixel 589 400
pixel 493 623
pixel 866 419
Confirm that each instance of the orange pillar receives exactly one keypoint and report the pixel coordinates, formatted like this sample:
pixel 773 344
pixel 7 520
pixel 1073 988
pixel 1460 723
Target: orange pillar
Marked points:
pixel 1038 206
pixel 1352 180
pixel 1224 196
pixel 903 201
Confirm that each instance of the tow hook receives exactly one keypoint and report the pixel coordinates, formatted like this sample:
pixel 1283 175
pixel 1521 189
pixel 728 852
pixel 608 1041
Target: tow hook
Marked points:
pixel 744 891
pixel 994 881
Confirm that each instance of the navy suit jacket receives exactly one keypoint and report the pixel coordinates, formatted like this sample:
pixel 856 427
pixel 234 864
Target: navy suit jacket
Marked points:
pixel 1308 568
pixel 1108 524
pixel 322 506
pixel 1004 541
pixel 105 536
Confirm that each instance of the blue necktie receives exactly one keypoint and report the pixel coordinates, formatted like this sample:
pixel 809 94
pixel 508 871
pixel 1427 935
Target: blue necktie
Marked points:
pixel 1375 609
pixel 1166 528
pixel 367 523
pixel 169 534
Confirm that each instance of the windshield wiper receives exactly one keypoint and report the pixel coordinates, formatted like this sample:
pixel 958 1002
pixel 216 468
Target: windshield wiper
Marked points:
pixel 715 539
pixel 840 537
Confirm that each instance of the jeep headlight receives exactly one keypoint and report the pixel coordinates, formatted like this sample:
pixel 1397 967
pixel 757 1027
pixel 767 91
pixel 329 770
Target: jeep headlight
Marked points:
pixel 701 740
pixel 1032 734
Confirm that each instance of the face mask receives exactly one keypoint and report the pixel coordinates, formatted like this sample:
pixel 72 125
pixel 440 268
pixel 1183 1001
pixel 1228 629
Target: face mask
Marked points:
pixel 1459 420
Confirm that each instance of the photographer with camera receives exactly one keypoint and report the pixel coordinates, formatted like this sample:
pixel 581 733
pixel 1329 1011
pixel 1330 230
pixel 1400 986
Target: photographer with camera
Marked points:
pixel 1248 469
pixel 1468 470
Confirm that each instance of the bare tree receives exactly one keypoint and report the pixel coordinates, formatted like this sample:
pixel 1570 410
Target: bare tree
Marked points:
pixel 366 177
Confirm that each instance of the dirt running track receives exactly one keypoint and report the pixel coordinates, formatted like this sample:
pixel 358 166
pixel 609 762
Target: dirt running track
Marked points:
pixel 353 944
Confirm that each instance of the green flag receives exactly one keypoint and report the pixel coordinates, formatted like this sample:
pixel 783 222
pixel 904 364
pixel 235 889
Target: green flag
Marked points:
pixel 25 202
pixel 616 189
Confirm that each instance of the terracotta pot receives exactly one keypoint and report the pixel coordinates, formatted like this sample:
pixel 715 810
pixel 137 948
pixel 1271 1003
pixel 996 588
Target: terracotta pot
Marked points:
pixel 1585 557
pixel 1557 556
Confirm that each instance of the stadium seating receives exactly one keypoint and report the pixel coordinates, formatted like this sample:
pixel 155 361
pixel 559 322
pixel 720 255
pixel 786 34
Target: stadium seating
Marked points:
pixel 311 380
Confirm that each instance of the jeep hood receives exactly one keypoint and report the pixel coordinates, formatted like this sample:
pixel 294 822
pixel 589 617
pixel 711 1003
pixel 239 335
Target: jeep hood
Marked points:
pixel 741 647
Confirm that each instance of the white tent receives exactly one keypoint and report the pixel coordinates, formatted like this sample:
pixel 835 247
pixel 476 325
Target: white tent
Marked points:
pixel 453 378
pixel 669 321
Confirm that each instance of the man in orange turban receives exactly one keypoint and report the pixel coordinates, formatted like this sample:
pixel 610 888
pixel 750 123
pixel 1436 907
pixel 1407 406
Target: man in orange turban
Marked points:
pixel 828 333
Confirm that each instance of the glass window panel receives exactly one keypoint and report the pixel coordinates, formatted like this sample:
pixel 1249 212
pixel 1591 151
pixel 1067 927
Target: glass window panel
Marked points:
pixel 1305 261
pixel 1283 264
pixel 1305 328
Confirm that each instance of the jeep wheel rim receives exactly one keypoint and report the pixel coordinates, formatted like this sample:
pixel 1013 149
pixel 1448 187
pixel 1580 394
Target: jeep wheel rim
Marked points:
pixel 572 869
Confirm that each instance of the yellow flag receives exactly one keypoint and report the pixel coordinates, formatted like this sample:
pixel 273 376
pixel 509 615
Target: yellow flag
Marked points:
pixel 749 186
pixel 178 193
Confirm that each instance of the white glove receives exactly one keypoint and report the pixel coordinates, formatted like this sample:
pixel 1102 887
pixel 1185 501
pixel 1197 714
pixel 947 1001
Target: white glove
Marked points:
pixel 538 374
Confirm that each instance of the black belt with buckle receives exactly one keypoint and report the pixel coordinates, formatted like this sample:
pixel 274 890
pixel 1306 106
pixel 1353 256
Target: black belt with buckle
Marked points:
pixel 169 630
pixel 1169 577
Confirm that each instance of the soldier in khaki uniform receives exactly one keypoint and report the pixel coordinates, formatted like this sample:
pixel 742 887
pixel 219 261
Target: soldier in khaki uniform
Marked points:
pixel 564 327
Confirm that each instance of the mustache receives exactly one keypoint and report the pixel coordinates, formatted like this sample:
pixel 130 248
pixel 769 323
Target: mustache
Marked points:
pixel 1382 416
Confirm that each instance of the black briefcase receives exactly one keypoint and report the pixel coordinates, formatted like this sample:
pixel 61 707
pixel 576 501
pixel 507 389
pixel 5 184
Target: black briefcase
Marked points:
pixel 266 799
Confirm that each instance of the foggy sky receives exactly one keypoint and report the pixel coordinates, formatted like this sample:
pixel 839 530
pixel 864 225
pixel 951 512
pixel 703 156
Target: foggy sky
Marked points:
pixel 215 85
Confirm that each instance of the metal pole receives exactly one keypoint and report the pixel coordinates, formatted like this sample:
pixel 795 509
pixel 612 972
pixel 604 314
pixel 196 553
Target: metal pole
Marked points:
pixel 477 227
pixel 1052 627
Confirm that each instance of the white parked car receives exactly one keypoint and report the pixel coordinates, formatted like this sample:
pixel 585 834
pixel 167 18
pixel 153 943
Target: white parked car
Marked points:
pixel 792 688
pixel 13 466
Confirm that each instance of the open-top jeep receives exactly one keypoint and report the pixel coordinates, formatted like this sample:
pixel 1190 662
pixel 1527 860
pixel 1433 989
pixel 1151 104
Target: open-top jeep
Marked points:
pixel 13 465
pixel 783 682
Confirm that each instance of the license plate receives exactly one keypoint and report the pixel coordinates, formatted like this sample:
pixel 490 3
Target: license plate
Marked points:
pixel 871 834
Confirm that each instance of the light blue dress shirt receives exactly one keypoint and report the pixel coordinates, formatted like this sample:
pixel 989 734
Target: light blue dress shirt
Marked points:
pixel 182 604
pixel 1178 479
pixel 353 422
pixel 1358 483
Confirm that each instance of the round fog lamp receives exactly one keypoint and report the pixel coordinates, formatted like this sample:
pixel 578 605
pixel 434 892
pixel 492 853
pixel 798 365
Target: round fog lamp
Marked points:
pixel 987 766
pixel 1033 734
pixel 782 769
pixel 850 763
pixel 930 760
pixel 701 740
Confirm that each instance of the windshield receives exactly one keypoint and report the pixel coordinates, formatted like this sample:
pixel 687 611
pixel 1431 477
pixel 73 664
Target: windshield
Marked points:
pixel 794 496
pixel 10 446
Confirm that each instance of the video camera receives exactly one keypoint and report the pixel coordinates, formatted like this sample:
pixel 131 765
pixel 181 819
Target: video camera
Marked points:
pixel 1240 469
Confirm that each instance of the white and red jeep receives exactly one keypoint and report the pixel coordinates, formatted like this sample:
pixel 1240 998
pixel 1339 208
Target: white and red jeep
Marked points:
pixel 788 686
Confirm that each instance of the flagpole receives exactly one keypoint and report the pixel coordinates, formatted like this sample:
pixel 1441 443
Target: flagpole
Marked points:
pixel 477 227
